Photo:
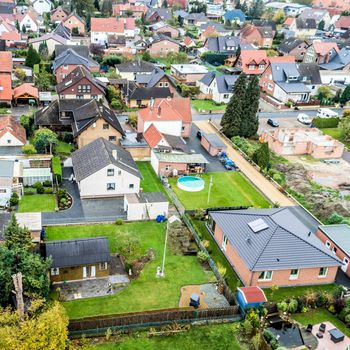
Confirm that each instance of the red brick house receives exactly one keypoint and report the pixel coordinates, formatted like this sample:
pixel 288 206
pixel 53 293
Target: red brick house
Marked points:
pixel 75 24
pixel 59 14
pixel 6 66
pixel 120 10
pixel 80 84
pixel 259 36
pixel 274 246
pixel 162 45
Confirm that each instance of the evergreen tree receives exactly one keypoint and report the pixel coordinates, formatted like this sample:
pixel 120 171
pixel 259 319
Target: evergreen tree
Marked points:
pixel 83 6
pixel 262 156
pixel 97 5
pixel 17 25
pixel 107 7
pixel 16 236
pixel 257 9
pixel 238 4
pixel 32 57
pixel 231 120
pixel 244 7
pixel 345 96
pixel 250 119
pixel 24 29
pixel 43 50
pixel 88 22
pixel 321 25
pixel 165 4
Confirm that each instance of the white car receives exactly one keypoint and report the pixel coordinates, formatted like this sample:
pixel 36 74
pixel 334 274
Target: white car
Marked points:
pixel 326 113
pixel 304 119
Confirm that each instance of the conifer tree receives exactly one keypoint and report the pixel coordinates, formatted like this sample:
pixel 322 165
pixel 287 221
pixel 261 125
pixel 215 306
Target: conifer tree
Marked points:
pixel 16 236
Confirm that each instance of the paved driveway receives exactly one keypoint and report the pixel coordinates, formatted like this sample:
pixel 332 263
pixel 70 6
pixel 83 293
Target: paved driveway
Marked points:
pixel 87 210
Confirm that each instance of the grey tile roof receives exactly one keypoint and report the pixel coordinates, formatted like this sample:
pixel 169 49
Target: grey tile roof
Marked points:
pixel 97 155
pixel 293 87
pixel 338 61
pixel 214 140
pixel 177 143
pixel 288 243
pixel 71 57
pixel 145 93
pixel 208 78
pixel 264 23
pixel 224 44
pixel 135 67
pixel 152 197
pixel 289 44
pixel 181 158
pixel 224 83
pixel 339 234
pixel 62 31
pixel 311 71
pixel 308 23
pixel 78 252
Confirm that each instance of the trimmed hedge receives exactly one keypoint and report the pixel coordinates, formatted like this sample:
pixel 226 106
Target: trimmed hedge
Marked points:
pixel 213 57
pixel 57 168
pixel 326 122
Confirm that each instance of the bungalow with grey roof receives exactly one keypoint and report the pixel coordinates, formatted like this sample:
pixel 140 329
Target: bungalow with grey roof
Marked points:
pixel 273 247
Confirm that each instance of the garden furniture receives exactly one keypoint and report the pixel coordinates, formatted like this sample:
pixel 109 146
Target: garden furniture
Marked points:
pixel 336 335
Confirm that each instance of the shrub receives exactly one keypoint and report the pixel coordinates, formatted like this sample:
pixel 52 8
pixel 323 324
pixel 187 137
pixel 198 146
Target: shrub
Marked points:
pixel 63 201
pixel 39 187
pixel 339 304
pixel 57 168
pixel 277 178
pixel 119 222
pixel 293 306
pixel 68 137
pixel 14 199
pixel 202 257
pixel 282 306
pixel 331 309
pixel 326 122
pixel 247 327
pixel 47 183
pixel 116 104
pixel 320 299
pixel 28 149
pixel 334 219
pixel 61 193
pixel 253 317
pixel 48 190
pixel 222 270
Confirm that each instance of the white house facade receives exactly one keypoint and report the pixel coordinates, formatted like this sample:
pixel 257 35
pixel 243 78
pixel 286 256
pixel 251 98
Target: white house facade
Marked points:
pixel 42 6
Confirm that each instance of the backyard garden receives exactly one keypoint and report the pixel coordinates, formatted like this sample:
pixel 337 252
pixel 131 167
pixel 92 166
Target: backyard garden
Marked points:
pixel 146 292
pixel 228 189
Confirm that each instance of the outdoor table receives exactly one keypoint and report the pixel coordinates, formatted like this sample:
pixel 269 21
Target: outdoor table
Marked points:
pixel 336 335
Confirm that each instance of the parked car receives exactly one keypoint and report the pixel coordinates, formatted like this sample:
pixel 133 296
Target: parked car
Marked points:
pixel 304 119
pixel 273 123
pixel 326 113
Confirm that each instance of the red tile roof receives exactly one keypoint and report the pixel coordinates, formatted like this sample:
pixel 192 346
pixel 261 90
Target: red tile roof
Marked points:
pixel 209 31
pixel 111 25
pixel 129 23
pixel 278 59
pixel 152 136
pixel 25 88
pixel 253 294
pixel 5 62
pixel 118 9
pixel 253 56
pixel 9 124
pixel 168 109
pixel 188 41
pixel 15 36
pixel 289 21
pixel 5 87
pixel 323 48
pixel 343 22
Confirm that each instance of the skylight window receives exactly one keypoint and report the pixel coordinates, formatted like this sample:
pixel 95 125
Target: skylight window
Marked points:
pixel 258 225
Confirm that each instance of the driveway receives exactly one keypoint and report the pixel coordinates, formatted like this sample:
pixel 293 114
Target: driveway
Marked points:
pixel 23 110
pixel 86 210
pixel 260 182
pixel 195 146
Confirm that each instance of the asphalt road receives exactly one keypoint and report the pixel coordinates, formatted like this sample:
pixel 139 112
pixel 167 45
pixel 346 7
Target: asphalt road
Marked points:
pixel 265 115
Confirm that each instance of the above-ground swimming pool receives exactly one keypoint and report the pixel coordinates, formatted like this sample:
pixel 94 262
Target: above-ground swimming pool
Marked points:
pixel 190 183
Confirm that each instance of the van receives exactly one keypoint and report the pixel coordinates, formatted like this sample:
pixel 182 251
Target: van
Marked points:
pixel 326 113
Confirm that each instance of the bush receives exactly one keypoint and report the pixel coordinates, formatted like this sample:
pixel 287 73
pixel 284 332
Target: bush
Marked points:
pixel 48 190
pixel 61 193
pixel 214 57
pixel 57 168
pixel 63 201
pixel 202 257
pixel 334 219
pixel 28 149
pixel 325 122
pixel 40 189
pixel 68 137
pixel 293 306
pixel 282 306
pixel 119 222
pixel 47 183
pixel 14 199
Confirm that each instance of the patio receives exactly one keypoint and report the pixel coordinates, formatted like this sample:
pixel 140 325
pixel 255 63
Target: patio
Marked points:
pixel 326 343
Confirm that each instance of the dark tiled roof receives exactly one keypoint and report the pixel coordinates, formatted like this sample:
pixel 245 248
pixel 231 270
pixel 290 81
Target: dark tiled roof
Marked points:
pixel 78 252
pixel 308 23
pixel 97 155
pixel 311 71
pixel 264 23
pixel 287 242
pixel 144 93
pixel 62 31
pixel 135 67
pixel 152 197
pixel 289 44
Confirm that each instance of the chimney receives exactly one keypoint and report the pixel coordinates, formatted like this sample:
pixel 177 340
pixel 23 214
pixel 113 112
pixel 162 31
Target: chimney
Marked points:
pixel 114 154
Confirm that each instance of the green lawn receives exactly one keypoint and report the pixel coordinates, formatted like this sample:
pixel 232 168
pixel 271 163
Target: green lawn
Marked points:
pixel 206 105
pixel 217 255
pixel 150 181
pixel 215 337
pixel 147 292
pixel 64 148
pixel 292 292
pixel 37 203
pixel 228 189
pixel 334 132
pixel 4 110
pixel 320 315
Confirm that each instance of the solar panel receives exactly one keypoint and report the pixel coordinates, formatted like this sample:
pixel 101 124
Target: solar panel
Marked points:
pixel 258 225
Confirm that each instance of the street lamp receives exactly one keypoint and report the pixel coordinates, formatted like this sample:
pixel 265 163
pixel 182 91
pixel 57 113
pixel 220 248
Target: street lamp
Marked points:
pixel 172 219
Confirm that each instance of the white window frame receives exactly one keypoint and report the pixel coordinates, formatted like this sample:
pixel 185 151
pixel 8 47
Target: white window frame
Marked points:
pixel 131 186
pixel 103 266
pixel 325 274
pixel 264 278
pixel 224 242
pixel 55 271
pixel 328 244
pixel 293 276
pixel 334 250
pixel 110 186
pixel 110 172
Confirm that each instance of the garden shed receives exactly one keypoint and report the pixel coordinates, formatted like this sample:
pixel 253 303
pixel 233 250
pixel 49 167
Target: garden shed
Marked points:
pixel 33 175
pixel 250 297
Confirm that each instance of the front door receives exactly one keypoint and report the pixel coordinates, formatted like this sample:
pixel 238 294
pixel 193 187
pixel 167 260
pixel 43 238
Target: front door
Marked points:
pixel 345 264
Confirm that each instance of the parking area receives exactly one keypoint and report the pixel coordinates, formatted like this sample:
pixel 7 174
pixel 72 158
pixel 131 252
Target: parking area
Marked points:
pixel 283 123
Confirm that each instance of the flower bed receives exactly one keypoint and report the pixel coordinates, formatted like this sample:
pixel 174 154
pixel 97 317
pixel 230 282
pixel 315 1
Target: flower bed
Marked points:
pixel 64 199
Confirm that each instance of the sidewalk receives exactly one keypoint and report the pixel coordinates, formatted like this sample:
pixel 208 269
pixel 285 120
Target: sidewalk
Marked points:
pixel 264 185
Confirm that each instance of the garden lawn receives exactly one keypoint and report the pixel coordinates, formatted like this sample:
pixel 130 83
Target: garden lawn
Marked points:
pixel 293 292
pixel 229 189
pixel 318 316
pixel 147 292
pixel 207 105
pixel 217 255
pixel 37 203
pixel 334 132
pixel 214 337
pixel 150 181
pixel 64 148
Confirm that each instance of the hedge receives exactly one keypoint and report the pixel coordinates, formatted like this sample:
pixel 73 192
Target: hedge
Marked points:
pixel 214 57
pixel 326 122
pixel 57 168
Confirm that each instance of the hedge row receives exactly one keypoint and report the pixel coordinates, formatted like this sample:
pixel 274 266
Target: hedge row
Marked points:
pixel 57 168
pixel 326 122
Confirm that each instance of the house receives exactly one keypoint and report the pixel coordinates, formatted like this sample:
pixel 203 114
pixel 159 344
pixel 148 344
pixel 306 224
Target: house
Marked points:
pixel 42 6
pixel 334 7
pixel 226 45
pixel 75 24
pixel 62 31
pixel 213 144
pixel 164 29
pixel 301 141
pixel 343 23
pixel 259 36
pixel 78 259
pixel 51 40
pixel 195 19
pixel 86 119
pixel 336 238
pixel 257 243
pixel 318 15
pixel 169 116
pixel 159 14
pixel 320 52
pixel 69 57
pixel 294 47
pixel 29 20
pixel 80 84
pixel 103 28
pixel 122 10
pixel 160 45
pixel 265 23
pixel 145 205
pixel 188 73
pixel 218 88
pixel 58 14
pixel 130 70
pixel 188 42
pixel 250 297
pixel 235 16
pixel 212 28
pixel 282 80
pixel 25 93
pixel 33 222
pixel 103 169
pixel 336 70
pixel 294 10
pixel 10 174
pixel 6 67
pixel 12 39
pixel 12 133
pixel 252 62
pixel 310 76
pixel 302 28
pixel 139 97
